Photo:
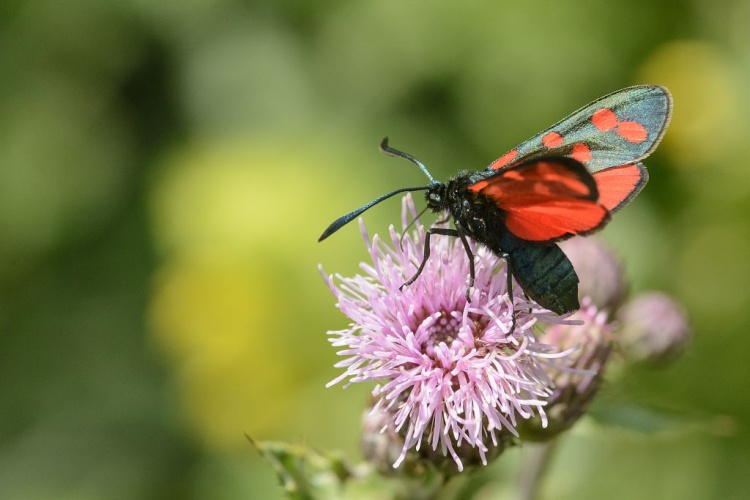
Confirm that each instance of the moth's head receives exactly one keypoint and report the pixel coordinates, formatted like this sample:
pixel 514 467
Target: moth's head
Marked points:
pixel 436 196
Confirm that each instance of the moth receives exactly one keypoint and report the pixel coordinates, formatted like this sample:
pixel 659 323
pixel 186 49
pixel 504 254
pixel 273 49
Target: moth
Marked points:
pixel 567 180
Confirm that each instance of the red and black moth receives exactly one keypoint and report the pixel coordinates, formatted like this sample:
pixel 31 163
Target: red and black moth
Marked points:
pixel 567 180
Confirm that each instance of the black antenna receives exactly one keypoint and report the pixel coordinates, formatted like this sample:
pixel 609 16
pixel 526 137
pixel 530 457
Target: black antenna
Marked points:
pixel 388 151
pixel 347 218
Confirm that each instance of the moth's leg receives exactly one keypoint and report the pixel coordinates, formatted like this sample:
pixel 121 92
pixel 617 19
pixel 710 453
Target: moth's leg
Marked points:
pixel 509 291
pixel 447 218
pixel 433 230
pixel 470 255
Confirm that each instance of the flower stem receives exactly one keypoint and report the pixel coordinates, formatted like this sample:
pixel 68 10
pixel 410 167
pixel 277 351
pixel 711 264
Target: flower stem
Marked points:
pixel 535 459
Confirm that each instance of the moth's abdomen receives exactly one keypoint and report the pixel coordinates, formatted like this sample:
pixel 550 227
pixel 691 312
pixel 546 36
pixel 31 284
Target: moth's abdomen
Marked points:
pixel 546 275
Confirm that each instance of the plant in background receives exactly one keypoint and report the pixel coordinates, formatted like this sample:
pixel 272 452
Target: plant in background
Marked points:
pixel 456 384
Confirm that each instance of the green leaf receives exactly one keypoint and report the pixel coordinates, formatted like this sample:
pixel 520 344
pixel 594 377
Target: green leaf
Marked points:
pixel 638 418
pixel 306 474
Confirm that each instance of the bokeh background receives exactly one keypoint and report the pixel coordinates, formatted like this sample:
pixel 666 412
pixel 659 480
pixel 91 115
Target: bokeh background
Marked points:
pixel 166 168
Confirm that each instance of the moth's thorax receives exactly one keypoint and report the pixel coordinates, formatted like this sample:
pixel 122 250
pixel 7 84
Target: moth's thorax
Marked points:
pixel 476 214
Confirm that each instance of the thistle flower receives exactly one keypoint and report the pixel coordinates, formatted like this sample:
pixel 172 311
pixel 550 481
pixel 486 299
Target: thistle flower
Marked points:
pixel 451 374
pixel 576 384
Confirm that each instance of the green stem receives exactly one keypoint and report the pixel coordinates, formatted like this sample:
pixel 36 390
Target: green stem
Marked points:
pixel 534 462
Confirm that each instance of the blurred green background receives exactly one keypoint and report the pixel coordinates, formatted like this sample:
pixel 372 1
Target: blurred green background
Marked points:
pixel 166 168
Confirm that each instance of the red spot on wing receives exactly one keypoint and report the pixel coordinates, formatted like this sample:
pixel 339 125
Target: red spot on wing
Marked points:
pixel 581 152
pixel 545 200
pixel 504 160
pixel 552 140
pixel 618 185
pixel 632 131
pixel 604 119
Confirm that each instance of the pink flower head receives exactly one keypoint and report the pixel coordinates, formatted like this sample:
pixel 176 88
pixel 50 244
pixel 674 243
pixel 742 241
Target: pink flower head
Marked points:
pixel 449 372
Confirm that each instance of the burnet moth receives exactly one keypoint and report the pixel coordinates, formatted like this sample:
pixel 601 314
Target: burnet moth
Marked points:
pixel 567 180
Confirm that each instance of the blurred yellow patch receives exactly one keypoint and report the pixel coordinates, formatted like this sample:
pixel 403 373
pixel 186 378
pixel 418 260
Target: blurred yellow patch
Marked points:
pixel 706 124
pixel 216 320
pixel 214 309
pixel 237 300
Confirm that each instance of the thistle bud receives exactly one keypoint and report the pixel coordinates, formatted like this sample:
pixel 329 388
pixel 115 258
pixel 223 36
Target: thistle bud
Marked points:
pixel 599 272
pixel 578 379
pixel 654 329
